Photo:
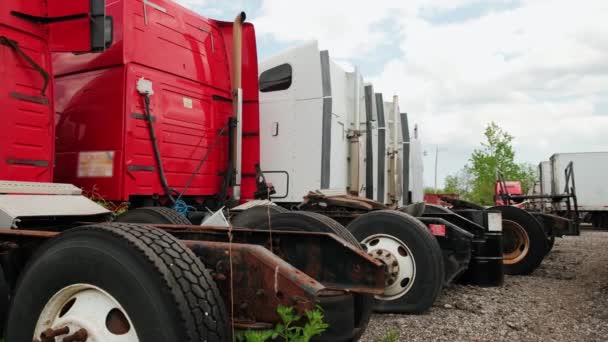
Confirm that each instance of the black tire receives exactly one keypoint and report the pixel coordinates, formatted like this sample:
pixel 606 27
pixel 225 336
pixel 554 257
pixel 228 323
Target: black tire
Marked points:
pixel 538 240
pixel 425 250
pixel 250 217
pixel 4 299
pixel 163 287
pixel 153 215
pixel 550 243
pixel 314 222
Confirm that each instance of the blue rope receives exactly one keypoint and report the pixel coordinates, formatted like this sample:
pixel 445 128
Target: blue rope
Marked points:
pixel 182 207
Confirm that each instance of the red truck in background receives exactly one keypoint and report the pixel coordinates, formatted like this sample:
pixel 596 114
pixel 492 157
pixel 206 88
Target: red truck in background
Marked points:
pixel 510 187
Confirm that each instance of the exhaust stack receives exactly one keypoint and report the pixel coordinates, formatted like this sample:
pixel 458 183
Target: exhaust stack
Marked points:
pixel 237 102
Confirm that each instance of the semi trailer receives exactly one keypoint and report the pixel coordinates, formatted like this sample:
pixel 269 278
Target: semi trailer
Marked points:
pixel 331 145
pixel 148 103
pixel 591 189
pixel 573 176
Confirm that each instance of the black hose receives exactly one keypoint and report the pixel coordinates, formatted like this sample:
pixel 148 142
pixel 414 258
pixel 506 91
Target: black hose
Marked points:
pixel 161 170
pixel 15 46
pixel 203 160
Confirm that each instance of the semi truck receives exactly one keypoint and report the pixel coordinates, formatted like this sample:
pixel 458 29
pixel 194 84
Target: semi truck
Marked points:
pixel 331 145
pixel 307 75
pixel 151 104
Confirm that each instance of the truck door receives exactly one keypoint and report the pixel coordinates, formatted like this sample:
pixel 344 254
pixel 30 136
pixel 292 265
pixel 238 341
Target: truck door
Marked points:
pixel 291 113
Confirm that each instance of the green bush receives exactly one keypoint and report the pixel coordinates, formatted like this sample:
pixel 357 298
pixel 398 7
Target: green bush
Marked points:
pixel 287 330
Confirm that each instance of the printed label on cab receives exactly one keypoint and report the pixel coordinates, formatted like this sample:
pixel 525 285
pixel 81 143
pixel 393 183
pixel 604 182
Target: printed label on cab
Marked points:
pixel 187 102
pixel 95 164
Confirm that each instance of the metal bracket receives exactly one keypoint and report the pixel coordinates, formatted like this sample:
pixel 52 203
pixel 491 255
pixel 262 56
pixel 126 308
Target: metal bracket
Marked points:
pixel 153 5
pixel 211 35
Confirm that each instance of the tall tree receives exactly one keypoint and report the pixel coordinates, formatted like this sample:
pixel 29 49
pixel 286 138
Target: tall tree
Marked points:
pixel 459 183
pixel 476 181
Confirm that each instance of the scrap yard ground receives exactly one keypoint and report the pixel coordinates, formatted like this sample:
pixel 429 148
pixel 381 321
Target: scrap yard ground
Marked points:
pixel 566 299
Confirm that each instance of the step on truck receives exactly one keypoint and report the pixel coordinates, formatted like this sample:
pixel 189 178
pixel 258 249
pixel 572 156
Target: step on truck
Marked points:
pixel 125 100
pixel 333 146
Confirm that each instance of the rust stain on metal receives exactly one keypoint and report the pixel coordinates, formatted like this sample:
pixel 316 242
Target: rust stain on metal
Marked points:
pixel 49 334
pixel 28 233
pixel 79 336
pixel 261 281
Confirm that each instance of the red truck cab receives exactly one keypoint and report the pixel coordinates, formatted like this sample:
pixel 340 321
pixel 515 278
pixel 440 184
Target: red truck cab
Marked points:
pixel 103 138
pixel 512 188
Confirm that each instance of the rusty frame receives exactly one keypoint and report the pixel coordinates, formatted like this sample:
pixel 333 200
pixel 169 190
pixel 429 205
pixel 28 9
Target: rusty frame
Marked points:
pixel 302 267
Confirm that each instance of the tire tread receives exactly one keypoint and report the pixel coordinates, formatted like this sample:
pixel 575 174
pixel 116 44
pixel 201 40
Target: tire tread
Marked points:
pixel 190 284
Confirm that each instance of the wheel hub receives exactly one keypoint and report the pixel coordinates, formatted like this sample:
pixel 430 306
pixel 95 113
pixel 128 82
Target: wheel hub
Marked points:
pixel 391 264
pixel 516 243
pixel 399 263
pixel 84 313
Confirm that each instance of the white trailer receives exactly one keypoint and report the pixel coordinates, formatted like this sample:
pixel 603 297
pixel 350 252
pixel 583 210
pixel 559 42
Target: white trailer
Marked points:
pixel 590 169
pixel 544 177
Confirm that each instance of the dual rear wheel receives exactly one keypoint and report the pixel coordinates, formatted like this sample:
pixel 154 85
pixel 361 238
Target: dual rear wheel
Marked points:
pixel 116 283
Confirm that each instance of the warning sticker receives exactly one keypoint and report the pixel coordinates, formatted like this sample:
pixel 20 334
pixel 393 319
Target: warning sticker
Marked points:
pixel 187 102
pixel 95 164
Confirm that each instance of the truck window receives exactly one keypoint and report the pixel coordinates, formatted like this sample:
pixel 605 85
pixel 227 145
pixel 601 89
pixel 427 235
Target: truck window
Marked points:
pixel 276 79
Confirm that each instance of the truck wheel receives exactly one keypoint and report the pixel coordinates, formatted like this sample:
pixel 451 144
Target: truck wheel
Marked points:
pixel 116 282
pixel 550 243
pixel 525 243
pixel 314 222
pixel 153 215
pixel 414 261
pixel 249 217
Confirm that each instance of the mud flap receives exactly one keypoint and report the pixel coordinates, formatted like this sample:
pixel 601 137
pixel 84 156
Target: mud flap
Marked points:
pixel 456 246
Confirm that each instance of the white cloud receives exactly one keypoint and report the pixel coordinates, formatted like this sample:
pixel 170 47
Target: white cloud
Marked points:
pixel 537 70
pixel 347 28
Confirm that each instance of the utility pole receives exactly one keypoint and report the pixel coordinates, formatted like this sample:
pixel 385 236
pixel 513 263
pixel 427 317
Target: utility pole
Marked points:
pixel 436 163
pixel 437 150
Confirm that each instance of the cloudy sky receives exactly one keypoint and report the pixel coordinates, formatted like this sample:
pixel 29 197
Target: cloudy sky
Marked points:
pixel 538 68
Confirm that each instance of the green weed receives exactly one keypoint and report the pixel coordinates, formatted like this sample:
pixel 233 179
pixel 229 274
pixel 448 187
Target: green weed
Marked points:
pixel 287 330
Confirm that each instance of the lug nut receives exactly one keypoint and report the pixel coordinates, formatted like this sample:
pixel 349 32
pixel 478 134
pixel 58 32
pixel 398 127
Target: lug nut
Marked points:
pixel 79 336
pixel 50 334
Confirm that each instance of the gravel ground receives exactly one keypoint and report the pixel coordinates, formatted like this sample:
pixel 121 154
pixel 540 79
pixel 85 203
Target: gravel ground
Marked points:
pixel 566 299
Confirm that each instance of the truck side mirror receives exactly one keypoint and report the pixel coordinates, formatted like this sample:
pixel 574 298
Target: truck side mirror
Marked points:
pixel 102 32
pixel 102 27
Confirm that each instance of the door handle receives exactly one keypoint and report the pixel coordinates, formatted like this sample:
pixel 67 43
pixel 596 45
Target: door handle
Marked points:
pixel 275 129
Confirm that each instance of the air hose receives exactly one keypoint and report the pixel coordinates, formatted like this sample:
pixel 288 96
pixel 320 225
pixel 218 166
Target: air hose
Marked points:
pixel 144 87
pixel 161 170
